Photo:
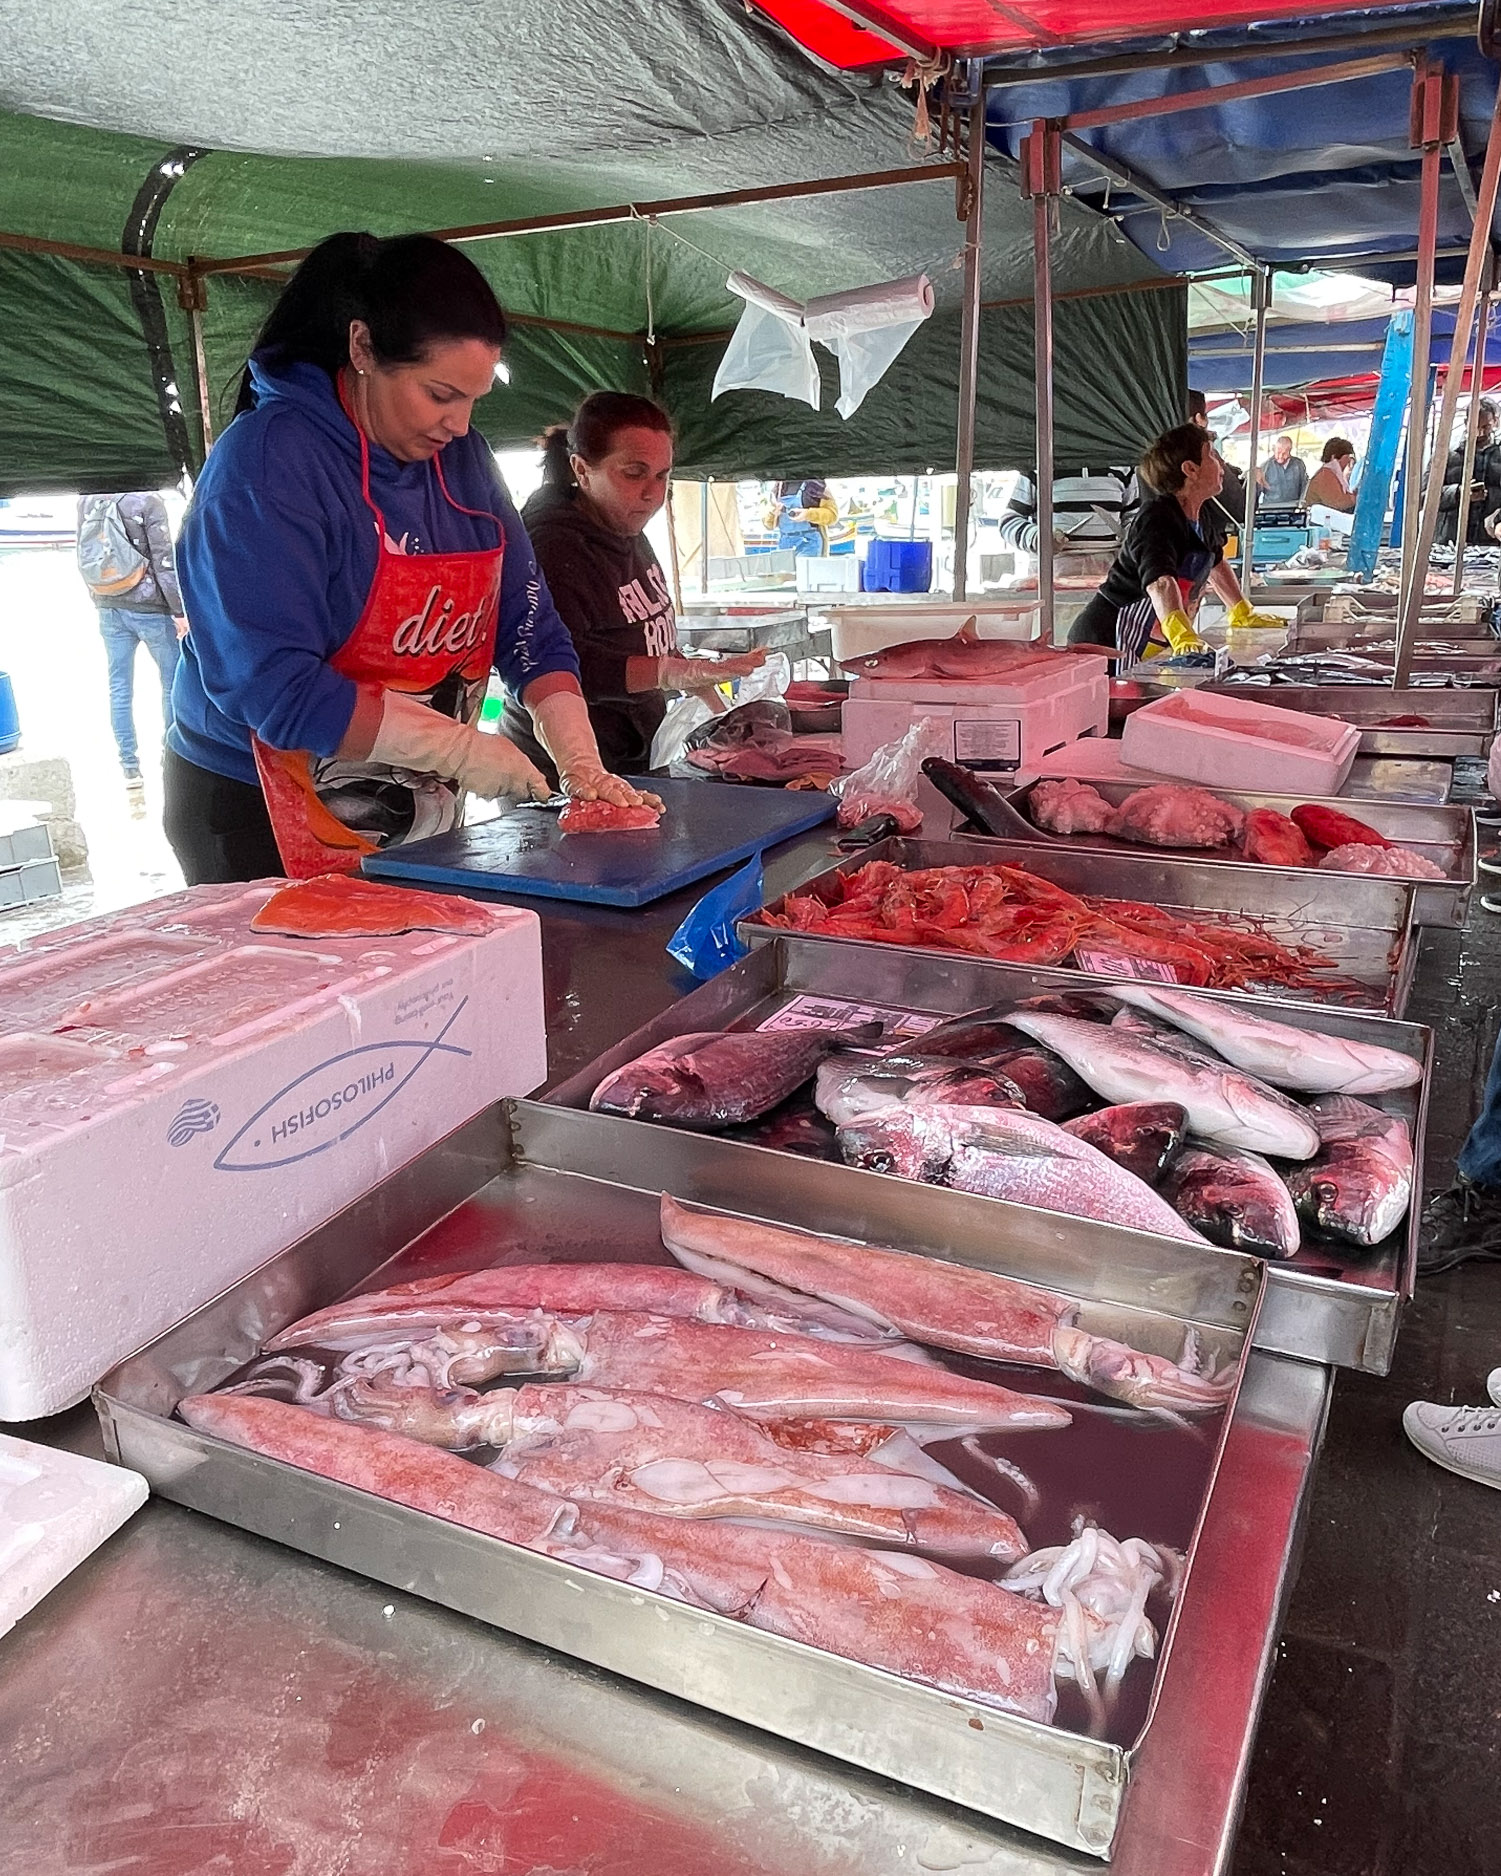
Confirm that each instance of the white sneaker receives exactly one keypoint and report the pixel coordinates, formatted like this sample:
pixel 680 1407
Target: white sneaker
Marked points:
pixel 1466 1440
pixel 1493 1385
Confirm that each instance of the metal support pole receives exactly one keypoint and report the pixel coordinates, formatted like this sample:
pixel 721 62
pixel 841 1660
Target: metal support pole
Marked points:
pixel 1042 180
pixel 703 536
pixel 1472 425
pixel 972 202
pixel 192 297
pixel 1261 297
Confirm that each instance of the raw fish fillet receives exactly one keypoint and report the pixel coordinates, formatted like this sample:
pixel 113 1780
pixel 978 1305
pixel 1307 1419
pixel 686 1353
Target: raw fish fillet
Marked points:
pixel 1069 807
pixel 1176 814
pixel 339 905
pixel 603 817
pixel 1388 862
pixel 1332 827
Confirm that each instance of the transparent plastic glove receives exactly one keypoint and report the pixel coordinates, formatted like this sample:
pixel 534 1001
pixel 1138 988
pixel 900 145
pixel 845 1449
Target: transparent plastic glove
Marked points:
pixel 706 673
pixel 1180 635
pixel 1243 617
pixel 412 736
pixel 565 732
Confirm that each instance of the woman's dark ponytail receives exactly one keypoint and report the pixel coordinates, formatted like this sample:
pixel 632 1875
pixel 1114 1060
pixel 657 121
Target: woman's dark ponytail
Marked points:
pixel 412 291
pixel 557 470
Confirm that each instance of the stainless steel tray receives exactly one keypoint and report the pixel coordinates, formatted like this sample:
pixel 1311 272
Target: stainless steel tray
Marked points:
pixel 1364 926
pixel 1338 1306
pixel 1446 836
pixel 1462 721
pixel 547 1180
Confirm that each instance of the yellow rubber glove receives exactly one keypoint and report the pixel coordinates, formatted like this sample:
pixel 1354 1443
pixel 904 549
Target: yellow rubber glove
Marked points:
pixel 1242 617
pixel 1180 635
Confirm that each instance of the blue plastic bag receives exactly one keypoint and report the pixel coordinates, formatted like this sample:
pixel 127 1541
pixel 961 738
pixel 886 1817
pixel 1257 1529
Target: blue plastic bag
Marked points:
pixel 705 941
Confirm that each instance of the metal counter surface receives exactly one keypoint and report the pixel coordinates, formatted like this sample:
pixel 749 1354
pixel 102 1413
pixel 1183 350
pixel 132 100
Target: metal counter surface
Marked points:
pixel 193 1698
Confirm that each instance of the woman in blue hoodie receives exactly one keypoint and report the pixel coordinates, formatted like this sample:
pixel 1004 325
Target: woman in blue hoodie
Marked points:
pixel 352 569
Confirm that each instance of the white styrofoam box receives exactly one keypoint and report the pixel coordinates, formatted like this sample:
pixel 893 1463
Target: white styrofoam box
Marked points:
pixel 828 573
pixel 995 726
pixel 1092 759
pixel 55 1507
pixel 182 1098
pixel 858 630
pixel 1235 743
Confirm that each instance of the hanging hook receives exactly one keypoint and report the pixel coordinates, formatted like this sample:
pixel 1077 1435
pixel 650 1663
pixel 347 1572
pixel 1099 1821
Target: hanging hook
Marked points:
pixel 1164 239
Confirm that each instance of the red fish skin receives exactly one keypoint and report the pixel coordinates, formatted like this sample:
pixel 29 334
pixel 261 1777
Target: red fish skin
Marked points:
pixel 1329 828
pixel 1273 839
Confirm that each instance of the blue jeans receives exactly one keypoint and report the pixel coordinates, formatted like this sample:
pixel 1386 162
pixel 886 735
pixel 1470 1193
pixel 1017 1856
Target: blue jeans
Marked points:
pixel 1480 1156
pixel 122 631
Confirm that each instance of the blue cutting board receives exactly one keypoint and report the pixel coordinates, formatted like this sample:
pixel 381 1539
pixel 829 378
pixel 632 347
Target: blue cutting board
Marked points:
pixel 706 826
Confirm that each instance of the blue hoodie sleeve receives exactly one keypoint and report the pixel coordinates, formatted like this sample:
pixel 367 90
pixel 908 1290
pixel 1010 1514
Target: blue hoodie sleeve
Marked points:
pixel 254 563
pixel 531 641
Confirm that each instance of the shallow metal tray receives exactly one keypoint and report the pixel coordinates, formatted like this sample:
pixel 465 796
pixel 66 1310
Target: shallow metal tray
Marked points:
pixel 545 1181
pixel 1364 926
pixel 1462 721
pixel 1446 836
pixel 1336 1305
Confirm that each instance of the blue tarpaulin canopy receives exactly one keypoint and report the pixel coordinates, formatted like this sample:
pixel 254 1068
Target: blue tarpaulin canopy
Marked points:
pixel 1305 354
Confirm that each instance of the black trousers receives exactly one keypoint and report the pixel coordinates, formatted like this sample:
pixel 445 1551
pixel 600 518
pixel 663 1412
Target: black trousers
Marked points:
pixel 218 828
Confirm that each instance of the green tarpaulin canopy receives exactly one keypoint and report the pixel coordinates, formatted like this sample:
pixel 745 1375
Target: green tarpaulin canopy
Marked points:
pixel 262 128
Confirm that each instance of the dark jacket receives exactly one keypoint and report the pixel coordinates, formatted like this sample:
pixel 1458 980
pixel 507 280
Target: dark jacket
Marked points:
pixel 612 595
pixel 1487 469
pixel 144 519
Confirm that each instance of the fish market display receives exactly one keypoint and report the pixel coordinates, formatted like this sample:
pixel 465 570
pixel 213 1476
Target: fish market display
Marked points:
pixel 1234 1199
pixel 720 1079
pixel 1388 862
pixel 1360 1184
pixel 604 817
pixel 1176 814
pixel 1268 838
pixel 341 905
pixel 1007 1153
pixel 1143 1136
pixel 1012 914
pixel 1068 806
pixel 1303 1059
pixel 1327 828
pixel 973 1312
pixel 1225 1106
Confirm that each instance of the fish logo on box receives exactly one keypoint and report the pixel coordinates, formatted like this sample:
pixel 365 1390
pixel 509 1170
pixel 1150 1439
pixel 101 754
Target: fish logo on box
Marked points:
pixel 328 1103
pixel 192 1119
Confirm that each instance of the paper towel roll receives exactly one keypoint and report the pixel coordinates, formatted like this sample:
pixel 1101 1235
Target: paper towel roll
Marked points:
pixel 868 309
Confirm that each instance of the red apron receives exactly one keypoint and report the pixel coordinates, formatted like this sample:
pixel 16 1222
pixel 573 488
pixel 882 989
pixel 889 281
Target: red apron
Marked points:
pixel 427 628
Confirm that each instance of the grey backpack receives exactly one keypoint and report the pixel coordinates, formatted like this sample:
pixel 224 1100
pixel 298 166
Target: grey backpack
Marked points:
pixel 108 559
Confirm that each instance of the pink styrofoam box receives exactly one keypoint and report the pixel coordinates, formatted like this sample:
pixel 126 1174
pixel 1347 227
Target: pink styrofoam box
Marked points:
pixel 998 728
pixel 1231 742
pixel 55 1508
pixel 181 1098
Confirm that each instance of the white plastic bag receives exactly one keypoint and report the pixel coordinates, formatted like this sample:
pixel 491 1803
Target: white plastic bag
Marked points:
pixel 866 329
pixel 770 349
pixel 686 713
pixel 887 783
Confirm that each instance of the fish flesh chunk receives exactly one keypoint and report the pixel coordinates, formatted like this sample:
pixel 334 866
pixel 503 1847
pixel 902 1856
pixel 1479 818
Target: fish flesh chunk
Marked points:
pixel 1387 862
pixel 1068 806
pixel 1360 1185
pixel 1143 1136
pixel 1176 814
pixel 721 1079
pixel 973 1312
pixel 340 905
pixel 1306 1060
pixel 605 817
pixel 1327 828
pixel 1226 1107
pixel 467 1297
pixel 1006 1153
pixel 1272 839
pixel 1235 1199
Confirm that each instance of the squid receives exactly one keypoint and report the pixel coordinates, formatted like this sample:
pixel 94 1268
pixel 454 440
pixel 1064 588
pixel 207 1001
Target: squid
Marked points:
pixel 944 1305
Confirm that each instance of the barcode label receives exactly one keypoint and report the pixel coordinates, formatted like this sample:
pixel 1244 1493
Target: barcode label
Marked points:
pixel 988 742
pixel 1111 964
pixel 807 1012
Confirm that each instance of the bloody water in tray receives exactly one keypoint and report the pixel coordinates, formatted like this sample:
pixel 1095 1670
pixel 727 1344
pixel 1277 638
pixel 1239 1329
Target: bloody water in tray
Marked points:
pixel 1134 1474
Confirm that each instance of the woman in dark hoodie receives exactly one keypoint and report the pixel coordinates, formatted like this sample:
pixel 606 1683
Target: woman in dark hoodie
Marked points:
pixel 603 478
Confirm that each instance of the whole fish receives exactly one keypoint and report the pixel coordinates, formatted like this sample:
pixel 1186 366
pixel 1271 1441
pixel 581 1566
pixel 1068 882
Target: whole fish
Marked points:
pixel 1360 1185
pixel 1303 1059
pixel 721 1079
pixel 1143 1136
pixel 1007 1153
pixel 848 1087
pixel 1235 1199
pixel 1225 1106
pixel 988 1040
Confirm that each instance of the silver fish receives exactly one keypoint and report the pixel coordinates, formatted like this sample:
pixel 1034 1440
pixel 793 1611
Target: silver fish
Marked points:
pixel 1360 1185
pixel 848 1087
pixel 1007 1153
pixel 1235 1199
pixel 1306 1060
pixel 721 1079
pixel 1225 1106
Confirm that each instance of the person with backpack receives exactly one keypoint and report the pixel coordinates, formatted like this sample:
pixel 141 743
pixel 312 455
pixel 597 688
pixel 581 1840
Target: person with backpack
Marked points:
pixel 126 560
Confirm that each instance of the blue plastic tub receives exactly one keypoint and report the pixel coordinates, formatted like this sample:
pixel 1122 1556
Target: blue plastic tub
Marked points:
pixel 899 567
pixel 10 722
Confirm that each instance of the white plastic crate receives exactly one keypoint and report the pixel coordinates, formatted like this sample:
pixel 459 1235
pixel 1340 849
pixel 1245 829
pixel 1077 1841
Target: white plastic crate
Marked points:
pixel 1231 742
pixel 832 573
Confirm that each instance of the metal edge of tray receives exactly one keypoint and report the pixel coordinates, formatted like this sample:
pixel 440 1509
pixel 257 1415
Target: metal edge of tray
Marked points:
pixel 1358 904
pixel 1442 904
pixel 1061 1784
pixel 1305 1315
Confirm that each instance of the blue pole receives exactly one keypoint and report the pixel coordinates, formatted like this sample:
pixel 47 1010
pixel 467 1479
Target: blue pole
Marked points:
pixel 1392 392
